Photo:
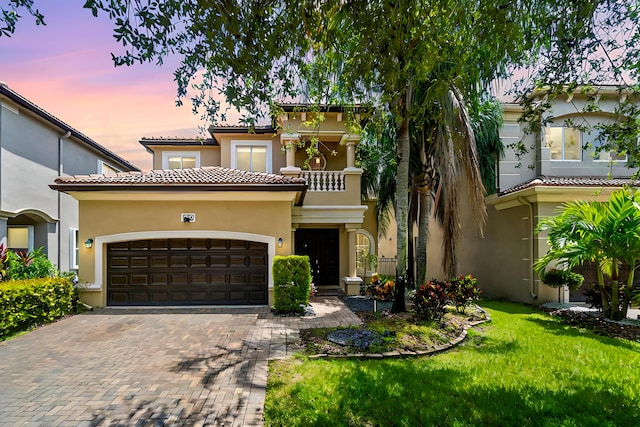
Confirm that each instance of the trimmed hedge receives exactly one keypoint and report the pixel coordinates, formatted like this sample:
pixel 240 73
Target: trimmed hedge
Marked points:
pixel 292 283
pixel 27 303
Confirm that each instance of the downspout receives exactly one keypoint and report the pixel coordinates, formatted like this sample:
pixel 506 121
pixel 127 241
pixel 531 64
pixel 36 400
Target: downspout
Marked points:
pixel 60 172
pixel 532 292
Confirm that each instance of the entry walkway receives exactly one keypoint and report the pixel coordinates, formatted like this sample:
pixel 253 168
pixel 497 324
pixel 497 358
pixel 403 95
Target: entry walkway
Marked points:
pixel 148 367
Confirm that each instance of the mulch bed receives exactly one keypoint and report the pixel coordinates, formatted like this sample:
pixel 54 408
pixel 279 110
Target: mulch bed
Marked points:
pixel 316 341
pixel 629 330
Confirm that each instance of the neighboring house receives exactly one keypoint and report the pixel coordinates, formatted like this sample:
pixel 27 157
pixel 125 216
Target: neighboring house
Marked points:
pixel 204 225
pixel 556 169
pixel 35 148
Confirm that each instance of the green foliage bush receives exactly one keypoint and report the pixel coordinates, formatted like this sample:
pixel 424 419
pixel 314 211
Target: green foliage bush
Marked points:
pixel 34 265
pixel 26 303
pixel 463 290
pixel 558 278
pixel 431 299
pixel 292 283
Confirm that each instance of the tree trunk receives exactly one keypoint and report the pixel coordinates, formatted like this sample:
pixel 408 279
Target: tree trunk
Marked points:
pixel 423 235
pixel 603 292
pixel 627 291
pixel 402 208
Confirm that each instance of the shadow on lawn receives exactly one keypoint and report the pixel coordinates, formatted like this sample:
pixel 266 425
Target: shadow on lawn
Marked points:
pixel 424 392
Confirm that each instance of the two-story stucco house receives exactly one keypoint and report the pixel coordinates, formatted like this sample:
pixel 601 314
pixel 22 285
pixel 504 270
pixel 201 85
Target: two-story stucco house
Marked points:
pixel 35 148
pixel 560 166
pixel 204 225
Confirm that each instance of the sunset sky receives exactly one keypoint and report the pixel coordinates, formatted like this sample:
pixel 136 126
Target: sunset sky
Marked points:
pixel 65 68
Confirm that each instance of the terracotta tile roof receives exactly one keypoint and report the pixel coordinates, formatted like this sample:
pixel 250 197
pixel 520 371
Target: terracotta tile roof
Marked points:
pixel 563 181
pixel 207 176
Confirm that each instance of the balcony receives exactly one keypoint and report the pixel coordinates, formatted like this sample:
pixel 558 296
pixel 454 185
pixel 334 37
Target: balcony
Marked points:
pixel 324 180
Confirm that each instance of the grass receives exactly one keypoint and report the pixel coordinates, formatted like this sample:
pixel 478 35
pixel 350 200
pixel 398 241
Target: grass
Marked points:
pixel 525 368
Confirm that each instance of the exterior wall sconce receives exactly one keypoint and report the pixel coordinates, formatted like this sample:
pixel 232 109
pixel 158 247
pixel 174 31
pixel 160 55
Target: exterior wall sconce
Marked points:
pixel 89 243
pixel 280 241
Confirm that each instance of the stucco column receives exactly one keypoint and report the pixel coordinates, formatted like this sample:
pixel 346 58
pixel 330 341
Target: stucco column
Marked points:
pixel 289 143
pixel 351 239
pixel 351 141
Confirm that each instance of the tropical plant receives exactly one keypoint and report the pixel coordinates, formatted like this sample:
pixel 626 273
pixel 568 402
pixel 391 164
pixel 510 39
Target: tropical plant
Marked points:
pixel 3 260
pixel 28 265
pixel 430 300
pixel 605 233
pixel 463 290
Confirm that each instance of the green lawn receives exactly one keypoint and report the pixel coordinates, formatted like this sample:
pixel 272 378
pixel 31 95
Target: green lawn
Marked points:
pixel 522 369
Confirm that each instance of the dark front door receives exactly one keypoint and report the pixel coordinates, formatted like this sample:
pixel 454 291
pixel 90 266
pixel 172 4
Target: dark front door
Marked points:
pixel 321 246
pixel 187 272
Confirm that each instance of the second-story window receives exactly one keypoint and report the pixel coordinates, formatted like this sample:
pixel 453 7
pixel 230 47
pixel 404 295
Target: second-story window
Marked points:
pixel 564 143
pixel 180 160
pixel 253 156
pixel 606 156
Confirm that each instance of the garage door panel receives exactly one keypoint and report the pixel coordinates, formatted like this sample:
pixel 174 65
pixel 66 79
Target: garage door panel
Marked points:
pixel 159 297
pixel 159 261
pixel 199 261
pixel 119 298
pixel 201 279
pixel 159 279
pixel 219 261
pixel 237 260
pixel 178 278
pixel 119 280
pixel 139 245
pixel 119 262
pixel 186 272
pixel 139 280
pixel 159 244
pixel 200 244
pixel 257 261
pixel 137 261
pixel 119 246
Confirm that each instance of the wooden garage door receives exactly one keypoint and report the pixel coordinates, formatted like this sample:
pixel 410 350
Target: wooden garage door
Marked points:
pixel 187 272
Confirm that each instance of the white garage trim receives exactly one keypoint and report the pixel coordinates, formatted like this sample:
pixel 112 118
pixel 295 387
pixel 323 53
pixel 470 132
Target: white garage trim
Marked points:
pixel 101 241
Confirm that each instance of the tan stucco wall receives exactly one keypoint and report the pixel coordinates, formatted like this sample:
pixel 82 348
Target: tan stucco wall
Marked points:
pixel 104 218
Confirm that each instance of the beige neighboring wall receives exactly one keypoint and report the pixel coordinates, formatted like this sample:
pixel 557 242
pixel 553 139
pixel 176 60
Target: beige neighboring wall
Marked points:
pixel 100 218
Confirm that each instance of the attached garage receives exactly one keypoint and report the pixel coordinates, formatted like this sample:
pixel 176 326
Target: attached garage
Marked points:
pixel 140 250
pixel 187 272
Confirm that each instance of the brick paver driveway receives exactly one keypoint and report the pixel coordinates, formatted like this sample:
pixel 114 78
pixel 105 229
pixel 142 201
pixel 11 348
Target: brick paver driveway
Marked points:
pixel 146 367
pixel 151 367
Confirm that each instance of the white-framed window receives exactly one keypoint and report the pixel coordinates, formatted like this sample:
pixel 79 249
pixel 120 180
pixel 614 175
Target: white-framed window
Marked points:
pixel 74 248
pixel 180 159
pixel 20 237
pixel 366 259
pixel 106 168
pixel 252 156
pixel 564 142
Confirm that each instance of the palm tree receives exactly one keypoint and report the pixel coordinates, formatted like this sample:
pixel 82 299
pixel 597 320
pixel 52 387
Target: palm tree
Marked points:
pixel 606 234
pixel 443 145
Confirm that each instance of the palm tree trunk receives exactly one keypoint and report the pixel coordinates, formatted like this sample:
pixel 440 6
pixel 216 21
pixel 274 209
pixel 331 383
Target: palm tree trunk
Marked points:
pixel 603 291
pixel 627 291
pixel 402 208
pixel 423 235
